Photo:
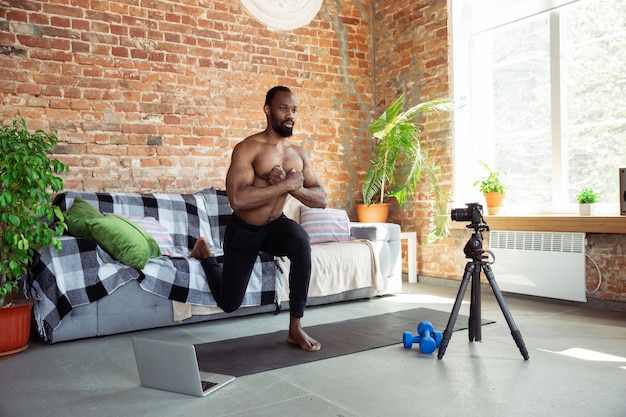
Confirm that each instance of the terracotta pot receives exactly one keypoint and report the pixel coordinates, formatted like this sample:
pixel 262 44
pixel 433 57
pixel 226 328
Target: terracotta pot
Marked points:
pixel 15 328
pixel 494 202
pixel 372 213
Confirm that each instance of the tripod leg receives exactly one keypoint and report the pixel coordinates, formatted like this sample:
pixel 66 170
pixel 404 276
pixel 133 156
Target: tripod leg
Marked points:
pixel 447 334
pixel 475 319
pixel 517 335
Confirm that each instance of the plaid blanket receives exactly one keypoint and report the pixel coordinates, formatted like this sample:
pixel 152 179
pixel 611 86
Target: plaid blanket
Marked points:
pixel 82 272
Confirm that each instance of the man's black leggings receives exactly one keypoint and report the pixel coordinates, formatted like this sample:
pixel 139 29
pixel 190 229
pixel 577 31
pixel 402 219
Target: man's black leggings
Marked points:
pixel 242 244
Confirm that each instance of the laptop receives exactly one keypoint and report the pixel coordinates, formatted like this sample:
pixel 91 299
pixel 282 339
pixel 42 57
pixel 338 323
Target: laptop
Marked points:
pixel 173 367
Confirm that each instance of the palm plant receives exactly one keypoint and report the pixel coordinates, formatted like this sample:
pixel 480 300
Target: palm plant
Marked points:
pixel 399 164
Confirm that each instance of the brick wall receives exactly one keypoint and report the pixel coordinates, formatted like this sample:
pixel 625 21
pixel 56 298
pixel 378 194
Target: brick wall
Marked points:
pixel 608 280
pixel 413 58
pixel 152 96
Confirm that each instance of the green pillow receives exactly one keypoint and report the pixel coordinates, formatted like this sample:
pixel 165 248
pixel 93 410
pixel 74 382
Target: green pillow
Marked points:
pixel 124 240
pixel 76 216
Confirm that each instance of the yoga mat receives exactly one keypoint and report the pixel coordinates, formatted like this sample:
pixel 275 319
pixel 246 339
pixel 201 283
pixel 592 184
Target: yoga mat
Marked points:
pixel 264 352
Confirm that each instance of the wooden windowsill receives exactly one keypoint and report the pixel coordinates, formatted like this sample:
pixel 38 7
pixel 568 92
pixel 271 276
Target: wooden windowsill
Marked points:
pixel 554 223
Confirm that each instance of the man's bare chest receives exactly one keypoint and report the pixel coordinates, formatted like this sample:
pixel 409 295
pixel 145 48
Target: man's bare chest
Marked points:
pixel 271 157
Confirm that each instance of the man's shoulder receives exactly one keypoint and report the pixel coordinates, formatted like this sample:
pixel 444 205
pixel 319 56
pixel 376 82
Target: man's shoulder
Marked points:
pixel 261 140
pixel 251 141
pixel 256 139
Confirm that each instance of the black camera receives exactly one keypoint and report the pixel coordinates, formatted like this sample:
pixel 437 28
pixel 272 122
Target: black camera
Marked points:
pixel 473 213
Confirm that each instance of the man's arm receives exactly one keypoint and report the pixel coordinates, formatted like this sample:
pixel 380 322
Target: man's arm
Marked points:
pixel 312 193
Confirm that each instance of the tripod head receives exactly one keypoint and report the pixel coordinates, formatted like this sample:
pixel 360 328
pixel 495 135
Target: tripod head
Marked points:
pixel 474 213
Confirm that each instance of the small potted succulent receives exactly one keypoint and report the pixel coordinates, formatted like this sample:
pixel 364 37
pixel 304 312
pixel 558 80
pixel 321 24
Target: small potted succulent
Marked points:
pixel 587 198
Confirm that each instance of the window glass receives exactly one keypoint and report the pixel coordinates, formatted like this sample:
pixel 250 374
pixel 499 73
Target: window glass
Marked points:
pixel 515 98
pixel 594 35
pixel 546 102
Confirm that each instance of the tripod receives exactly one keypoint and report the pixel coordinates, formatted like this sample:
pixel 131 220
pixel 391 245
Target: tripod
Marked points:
pixel 474 250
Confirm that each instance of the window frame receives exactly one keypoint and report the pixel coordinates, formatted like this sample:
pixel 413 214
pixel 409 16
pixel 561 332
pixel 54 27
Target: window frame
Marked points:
pixel 469 18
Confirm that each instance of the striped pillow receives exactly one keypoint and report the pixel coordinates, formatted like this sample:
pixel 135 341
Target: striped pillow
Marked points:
pixel 158 233
pixel 325 225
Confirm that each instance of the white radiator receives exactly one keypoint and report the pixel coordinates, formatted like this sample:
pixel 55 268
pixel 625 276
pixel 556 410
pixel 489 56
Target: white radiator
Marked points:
pixel 546 264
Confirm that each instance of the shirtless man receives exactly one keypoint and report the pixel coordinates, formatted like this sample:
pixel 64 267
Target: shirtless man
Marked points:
pixel 264 169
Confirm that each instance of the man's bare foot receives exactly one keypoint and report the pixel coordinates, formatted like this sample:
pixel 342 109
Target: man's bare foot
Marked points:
pixel 200 250
pixel 297 336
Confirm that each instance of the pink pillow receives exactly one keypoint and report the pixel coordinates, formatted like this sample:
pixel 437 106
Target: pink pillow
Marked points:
pixel 325 225
pixel 158 233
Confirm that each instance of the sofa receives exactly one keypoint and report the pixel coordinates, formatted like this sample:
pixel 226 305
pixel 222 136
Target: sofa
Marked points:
pixel 124 263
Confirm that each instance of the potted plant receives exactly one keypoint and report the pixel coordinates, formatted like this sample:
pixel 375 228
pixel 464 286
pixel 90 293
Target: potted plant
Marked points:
pixel 27 176
pixel 587 197
pixel 492 188
pixel 399 165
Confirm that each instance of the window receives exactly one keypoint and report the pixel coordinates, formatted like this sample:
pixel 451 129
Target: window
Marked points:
pixel 544 93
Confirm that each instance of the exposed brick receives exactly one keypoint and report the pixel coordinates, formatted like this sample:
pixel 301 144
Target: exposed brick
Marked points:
pixel 52 90
pixel 26 5
pixel 138 54
pixel 56 24
pixel 51 55
pixel 99 126
pixel 60 10
pixel 141 150
pixel 79 105
pixel 139 128
pixel 81 25
pixel 80 47
pixel 120 51
pixel 17 16
pixel 154 140
pixel 37 102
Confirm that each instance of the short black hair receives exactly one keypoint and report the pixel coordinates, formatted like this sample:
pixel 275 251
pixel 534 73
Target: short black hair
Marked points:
pixel 272 92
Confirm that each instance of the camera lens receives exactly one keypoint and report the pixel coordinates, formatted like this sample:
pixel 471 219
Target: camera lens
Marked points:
pixel 461 215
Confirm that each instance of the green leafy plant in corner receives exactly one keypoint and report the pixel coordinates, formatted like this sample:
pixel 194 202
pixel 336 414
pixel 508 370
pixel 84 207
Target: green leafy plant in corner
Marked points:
pixel 399 164
pixel 27 176
pixel 587 195
pixel 492 182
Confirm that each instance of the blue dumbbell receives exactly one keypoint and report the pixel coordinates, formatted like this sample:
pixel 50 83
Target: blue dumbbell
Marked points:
pixel 427 337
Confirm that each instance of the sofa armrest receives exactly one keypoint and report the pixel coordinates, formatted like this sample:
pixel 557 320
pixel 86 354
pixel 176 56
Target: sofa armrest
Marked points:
pixel 375 231
pixel 385 238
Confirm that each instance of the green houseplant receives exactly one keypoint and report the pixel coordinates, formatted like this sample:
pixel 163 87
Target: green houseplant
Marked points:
pixel 492 187
pixel 27 175
pixel 399 165
pixel 587 197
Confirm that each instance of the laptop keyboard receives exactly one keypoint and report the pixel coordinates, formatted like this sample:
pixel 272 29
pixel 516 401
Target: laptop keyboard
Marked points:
pixel 207 385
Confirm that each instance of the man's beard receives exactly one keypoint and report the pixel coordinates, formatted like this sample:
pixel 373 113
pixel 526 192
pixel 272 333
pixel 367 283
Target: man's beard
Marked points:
pixel 281 129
